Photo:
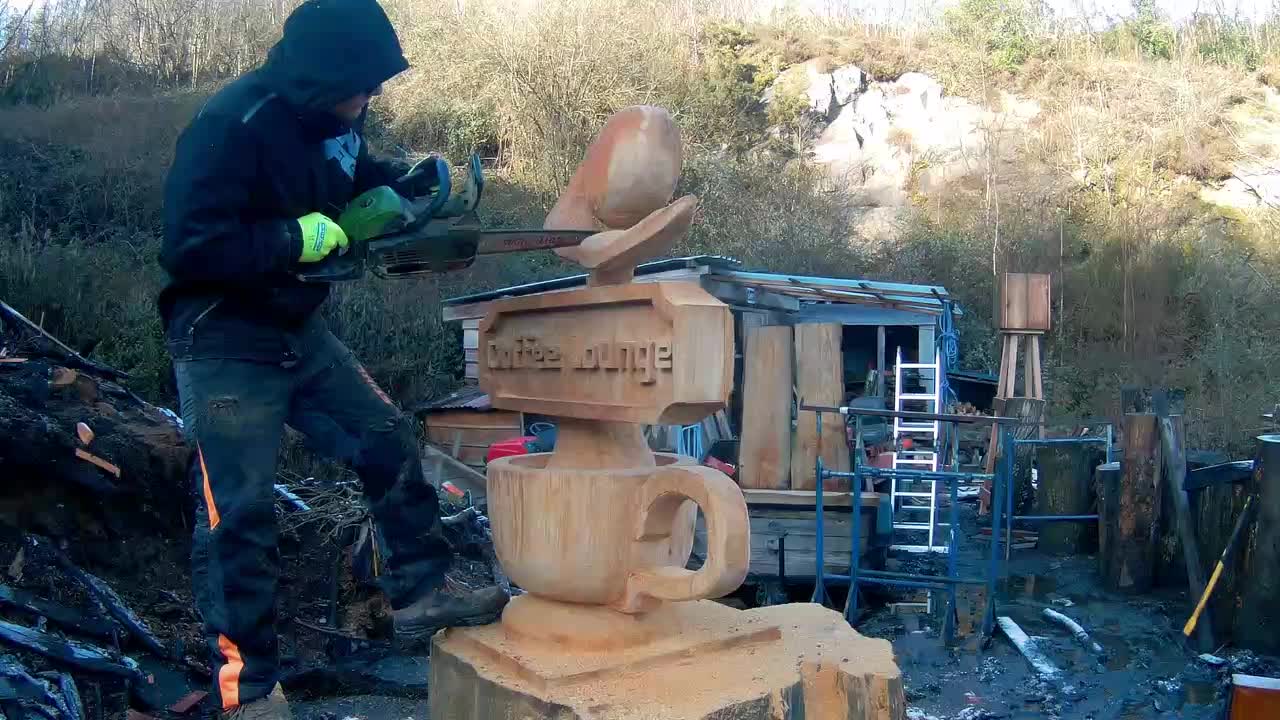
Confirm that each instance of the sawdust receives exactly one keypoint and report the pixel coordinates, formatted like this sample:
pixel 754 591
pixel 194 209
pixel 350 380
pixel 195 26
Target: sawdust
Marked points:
pixel 721 659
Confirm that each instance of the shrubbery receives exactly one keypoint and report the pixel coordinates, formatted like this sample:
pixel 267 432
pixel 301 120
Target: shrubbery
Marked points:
pixel 1152 285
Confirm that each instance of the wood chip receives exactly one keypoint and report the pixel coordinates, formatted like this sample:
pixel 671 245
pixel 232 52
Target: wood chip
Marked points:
pixel 63 377
pixel 94 459
pixel 84 432
pixel 15 567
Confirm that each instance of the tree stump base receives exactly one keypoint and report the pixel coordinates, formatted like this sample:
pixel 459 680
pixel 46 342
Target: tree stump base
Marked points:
pixel 696 660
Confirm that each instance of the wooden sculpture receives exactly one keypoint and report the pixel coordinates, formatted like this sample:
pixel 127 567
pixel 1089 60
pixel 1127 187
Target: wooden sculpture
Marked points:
pixel 598 532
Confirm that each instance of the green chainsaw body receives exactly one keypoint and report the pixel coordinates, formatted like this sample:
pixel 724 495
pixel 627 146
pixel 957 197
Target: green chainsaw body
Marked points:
pixel 395 237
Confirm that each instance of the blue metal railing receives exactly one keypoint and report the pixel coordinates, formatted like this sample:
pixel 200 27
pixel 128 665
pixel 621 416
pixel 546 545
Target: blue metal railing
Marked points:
pixel 858 576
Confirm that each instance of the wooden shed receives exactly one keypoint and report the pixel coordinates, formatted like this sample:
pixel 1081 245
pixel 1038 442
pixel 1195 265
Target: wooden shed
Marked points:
pixel 824 340
pixel 464 425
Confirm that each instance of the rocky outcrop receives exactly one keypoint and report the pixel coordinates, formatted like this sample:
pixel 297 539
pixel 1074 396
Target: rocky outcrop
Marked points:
pixel 824 91
pixel 1255 180
pixel 886 141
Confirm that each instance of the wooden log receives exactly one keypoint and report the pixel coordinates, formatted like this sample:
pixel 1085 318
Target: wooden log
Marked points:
pixel 1182 545
pixel 1030 411
pixel 1132 568
pixel 1257 623
pixel 86 657
pixel 17 683
pixel 1076 630
pixel 1066 488
pixel 73 705
pixel 764 455
pixel 70 355
pixel 819 373
pixel 1107 481
pixel 55 613
pixel 1039 662
pixel 1215 510
pixel 138 444
pixel 115 605
pixel 1171 568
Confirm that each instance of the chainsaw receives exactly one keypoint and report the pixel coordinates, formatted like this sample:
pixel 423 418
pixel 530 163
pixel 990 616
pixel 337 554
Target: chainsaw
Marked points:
pixel 395 237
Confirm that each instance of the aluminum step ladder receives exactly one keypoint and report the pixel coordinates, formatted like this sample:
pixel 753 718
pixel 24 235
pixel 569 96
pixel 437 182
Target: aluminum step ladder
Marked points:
pixel 905 495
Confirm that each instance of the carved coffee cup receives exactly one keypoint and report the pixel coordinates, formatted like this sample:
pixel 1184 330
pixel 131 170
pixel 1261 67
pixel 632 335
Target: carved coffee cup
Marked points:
pixel 619 538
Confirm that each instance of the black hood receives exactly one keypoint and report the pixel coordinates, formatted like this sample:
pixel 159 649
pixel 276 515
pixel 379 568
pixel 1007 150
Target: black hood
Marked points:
pixel 332 50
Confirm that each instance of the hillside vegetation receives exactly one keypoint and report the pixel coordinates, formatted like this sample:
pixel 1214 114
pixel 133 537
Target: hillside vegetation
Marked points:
pixel 1108 186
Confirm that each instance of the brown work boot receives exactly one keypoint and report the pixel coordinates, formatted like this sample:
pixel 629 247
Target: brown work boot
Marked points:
pixel 450 606
pixel 271 707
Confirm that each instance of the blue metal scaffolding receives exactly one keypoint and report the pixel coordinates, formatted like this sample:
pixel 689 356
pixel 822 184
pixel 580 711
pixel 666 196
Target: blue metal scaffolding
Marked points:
pixel 859 576
pixel 1008 545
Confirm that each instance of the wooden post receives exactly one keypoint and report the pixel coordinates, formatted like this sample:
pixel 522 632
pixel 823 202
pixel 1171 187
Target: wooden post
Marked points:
pixel 1030 411
pixel 1132 568
pixel 1216 509
pixel 1171 568
pixel 880 361
pixel 1257 625
pixel 1107 482
pixel 1182 544
pixel 1065 489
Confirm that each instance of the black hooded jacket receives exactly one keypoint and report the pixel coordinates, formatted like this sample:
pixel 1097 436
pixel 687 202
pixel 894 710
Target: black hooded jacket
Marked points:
pixel 261 153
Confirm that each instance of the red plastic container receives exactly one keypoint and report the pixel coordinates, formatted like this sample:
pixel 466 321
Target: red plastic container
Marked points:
pixel 507 448
pixel 720 465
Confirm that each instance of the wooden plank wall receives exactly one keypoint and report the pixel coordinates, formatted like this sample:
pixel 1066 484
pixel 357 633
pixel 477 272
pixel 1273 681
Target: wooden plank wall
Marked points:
pixel 472 431
pixel 764 455
pixel 471 349
pixel 819 373
pixel 770 524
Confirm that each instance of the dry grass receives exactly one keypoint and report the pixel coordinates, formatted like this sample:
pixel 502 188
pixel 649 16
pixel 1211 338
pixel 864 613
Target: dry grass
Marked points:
pixel 1154 287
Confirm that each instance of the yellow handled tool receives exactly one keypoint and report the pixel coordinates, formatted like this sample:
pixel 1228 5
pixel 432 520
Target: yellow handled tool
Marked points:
pixel 1236 532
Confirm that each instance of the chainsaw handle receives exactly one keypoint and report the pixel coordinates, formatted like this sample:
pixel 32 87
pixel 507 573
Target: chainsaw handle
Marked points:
pixel 444 185
pixel 334 268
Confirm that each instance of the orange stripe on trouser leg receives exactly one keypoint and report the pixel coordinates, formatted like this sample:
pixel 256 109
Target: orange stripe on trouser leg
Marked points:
pixel 370 381
pixel 214 518
pixel 229 674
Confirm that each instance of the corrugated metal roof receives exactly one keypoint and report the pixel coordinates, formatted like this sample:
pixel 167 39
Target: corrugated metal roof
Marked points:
pixel 468 398
pixel 649 268
pixel 807 288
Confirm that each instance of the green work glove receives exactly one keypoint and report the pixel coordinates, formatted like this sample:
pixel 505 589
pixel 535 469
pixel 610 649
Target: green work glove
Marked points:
pixel 320 236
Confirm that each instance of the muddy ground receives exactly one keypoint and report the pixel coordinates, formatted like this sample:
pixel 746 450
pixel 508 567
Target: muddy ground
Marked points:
pixel 1147 670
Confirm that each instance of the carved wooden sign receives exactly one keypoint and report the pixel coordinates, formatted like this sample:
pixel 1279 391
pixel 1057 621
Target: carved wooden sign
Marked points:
pixel 658 353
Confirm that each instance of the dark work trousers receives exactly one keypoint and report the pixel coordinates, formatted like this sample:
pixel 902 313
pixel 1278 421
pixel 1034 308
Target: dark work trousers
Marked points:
pixel 234 412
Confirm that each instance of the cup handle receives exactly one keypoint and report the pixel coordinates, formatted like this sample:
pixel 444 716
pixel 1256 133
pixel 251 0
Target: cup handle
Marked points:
pixel 728 537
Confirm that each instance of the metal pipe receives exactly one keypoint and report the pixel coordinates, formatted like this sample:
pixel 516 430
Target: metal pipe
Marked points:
pixel 1110 440
pixel 782 557
pixel 931 585
pixel 993 561
pixel 912 415
pixel 914 576
pixel 855 557
pixel 819 590
pixel 949 623
pixel 905 474
pixel 1060 441
pixel 1054 518
pixel 1011 467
